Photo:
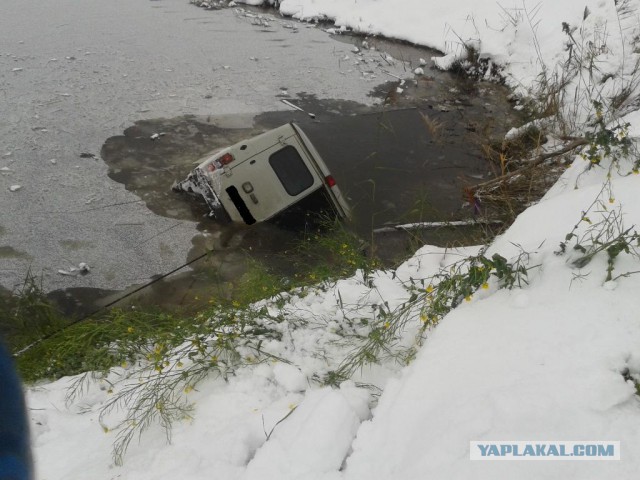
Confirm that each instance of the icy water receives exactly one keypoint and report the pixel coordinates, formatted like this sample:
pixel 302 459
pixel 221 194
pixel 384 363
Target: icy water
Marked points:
pixel 391 166
pixel 74 74
pixel 93 80
pixel 386 161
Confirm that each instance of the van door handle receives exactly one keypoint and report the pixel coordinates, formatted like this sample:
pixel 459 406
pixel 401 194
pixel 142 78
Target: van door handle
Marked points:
pixel 248 189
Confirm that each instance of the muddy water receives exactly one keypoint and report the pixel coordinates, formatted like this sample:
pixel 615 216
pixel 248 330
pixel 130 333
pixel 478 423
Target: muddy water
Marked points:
pixel 407 159
pixel 390 165
pixel 400 162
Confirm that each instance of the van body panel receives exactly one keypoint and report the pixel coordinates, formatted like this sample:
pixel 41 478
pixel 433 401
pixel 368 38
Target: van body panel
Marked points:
pixel 256 179
pixel 268 195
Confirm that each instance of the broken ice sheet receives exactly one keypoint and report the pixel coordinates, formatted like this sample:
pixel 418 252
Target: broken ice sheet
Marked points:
pixel 81 269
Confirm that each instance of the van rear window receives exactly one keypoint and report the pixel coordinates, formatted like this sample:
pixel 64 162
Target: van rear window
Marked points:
pixel 291 170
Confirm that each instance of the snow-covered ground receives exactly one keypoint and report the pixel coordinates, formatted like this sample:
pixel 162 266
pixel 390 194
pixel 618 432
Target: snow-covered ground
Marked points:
pixel 552 360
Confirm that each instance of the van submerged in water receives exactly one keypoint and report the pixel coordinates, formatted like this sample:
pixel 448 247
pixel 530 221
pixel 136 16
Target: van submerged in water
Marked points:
pixel 276 174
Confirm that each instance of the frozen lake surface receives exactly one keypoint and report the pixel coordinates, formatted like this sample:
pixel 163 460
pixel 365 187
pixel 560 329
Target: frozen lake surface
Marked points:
pixel 76 73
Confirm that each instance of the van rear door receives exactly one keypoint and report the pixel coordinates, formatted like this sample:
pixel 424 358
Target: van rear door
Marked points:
pixel 272 180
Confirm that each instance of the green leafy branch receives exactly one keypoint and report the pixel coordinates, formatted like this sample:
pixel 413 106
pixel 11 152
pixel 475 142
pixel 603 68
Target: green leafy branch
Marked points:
pixel 154 387
pixel 430 300
pixel 606 235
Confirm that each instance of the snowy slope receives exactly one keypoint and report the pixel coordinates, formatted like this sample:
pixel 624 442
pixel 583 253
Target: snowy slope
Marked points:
pixel 232 420
pixel 543 362
pixel 540 363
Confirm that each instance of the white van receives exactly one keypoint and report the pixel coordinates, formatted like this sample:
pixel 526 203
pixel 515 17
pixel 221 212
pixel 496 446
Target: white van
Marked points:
pixel 257 179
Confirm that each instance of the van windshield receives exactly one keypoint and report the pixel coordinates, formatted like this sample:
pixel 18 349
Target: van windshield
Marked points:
pixel 291 170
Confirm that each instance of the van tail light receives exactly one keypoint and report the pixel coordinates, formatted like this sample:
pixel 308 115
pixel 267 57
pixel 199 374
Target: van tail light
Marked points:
pixel 226 159
pixel 330 181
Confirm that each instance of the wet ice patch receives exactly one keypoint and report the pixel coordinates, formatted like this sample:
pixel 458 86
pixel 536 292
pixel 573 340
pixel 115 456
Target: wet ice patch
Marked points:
pixel 81 269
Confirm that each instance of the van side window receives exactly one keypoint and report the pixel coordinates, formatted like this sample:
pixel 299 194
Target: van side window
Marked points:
pixel 291 170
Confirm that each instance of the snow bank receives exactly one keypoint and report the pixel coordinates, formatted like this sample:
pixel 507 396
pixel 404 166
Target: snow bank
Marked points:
pixel 270 420
pixel 542 363
pixel 524 36
pixel 550 361
pixel 317 438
